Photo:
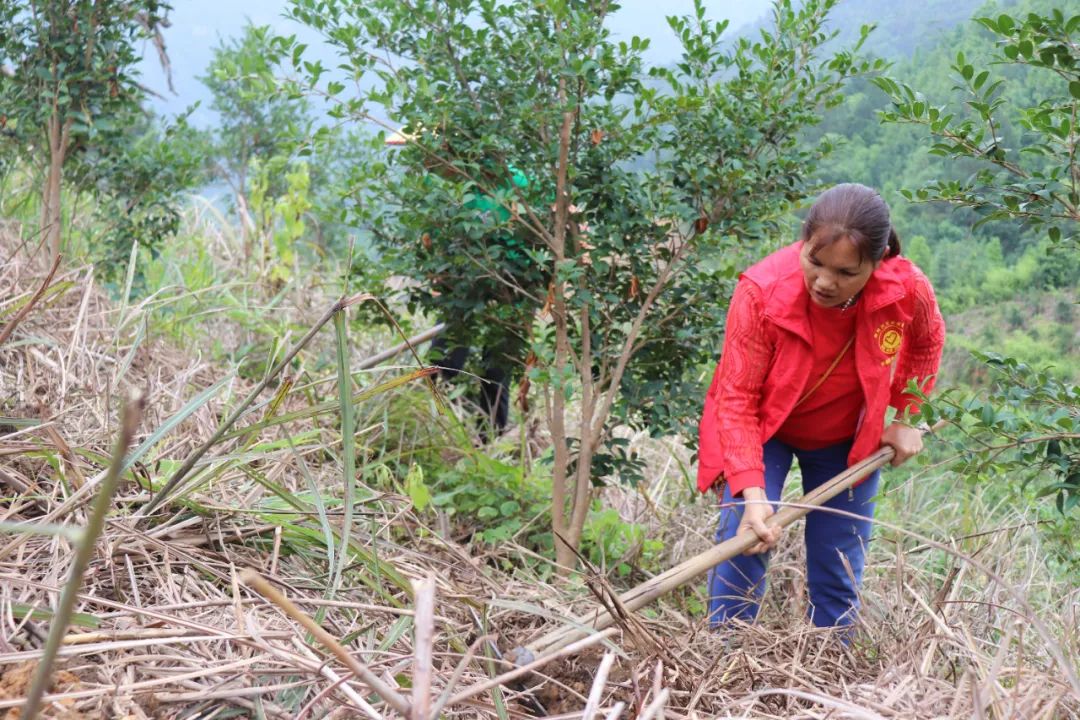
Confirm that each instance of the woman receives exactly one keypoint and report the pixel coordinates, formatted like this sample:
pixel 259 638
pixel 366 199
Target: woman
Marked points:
pixel 822 336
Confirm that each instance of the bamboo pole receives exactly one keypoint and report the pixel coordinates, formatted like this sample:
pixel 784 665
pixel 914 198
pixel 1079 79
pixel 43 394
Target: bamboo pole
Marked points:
pixel 373 681
pixel 393 352
pixel 689 569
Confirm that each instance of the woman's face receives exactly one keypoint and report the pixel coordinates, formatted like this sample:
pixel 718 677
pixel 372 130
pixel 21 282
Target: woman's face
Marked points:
pixel 834 273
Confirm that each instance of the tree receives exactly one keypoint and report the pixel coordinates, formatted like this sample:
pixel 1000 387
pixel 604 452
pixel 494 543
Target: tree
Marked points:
pixel 556 191
pixel 138 183
pixel 72 82
pixel 259 123
pixel 1026 426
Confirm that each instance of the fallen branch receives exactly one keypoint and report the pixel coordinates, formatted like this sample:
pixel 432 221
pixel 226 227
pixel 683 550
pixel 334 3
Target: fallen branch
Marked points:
pixel 25 310
pixel 424 624
pixel 420 339
pixel 268 591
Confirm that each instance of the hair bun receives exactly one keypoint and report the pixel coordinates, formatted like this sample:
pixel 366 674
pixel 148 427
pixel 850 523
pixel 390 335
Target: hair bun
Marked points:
pixel 855 212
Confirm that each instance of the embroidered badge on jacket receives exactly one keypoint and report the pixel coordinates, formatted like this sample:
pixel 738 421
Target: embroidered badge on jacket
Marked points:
pixel 888 336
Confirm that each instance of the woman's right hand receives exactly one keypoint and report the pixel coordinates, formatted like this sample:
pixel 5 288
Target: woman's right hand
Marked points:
pixel 756 510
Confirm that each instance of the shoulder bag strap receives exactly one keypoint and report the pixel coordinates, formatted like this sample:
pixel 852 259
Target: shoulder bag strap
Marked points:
pixel 827 373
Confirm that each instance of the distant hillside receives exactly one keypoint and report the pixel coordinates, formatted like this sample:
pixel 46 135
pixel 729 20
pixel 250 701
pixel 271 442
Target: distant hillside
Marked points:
pixel 1040 328
pixel 903 26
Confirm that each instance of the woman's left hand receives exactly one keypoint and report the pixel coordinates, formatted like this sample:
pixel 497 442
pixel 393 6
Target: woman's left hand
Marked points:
pixel 905 440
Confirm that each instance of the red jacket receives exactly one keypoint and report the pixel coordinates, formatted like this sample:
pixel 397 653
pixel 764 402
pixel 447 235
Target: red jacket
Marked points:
pixel 765 366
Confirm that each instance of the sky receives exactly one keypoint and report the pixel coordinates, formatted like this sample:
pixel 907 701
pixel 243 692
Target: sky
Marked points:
pixel 198 26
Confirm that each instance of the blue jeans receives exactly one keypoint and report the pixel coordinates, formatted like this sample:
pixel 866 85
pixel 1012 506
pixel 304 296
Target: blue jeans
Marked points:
pixel 737 585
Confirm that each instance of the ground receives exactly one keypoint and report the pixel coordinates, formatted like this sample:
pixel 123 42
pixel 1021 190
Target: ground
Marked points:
pixel 166 628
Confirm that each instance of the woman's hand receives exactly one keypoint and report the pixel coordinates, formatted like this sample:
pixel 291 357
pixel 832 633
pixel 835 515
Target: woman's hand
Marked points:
pixel 756 510
pixel 905 440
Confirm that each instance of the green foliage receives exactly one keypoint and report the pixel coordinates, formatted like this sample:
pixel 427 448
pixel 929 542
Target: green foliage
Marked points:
pixel 267 136
pixel 72 111
pixel 494 501
pixel 1020 149
pixel 336 157
pixel 257 119
pixel 140 190
pixel 615 545
pixel 1034 179
pixel 1025 427
pixel 490 501
pixel 497 504
pixel 75 61
pixel 466 208
pixel 418 492
pixel 279 221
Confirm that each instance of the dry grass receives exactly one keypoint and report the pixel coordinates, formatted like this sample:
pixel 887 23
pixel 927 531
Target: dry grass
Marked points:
pixel 168 630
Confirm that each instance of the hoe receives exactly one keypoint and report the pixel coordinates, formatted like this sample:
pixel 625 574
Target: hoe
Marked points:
pixel 692 568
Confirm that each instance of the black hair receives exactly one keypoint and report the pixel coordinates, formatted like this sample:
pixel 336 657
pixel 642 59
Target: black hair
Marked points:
pixel 856 212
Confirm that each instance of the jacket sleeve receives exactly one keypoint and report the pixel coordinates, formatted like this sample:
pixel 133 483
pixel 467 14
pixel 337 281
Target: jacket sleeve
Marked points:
pixel 921 355
pixel 730 429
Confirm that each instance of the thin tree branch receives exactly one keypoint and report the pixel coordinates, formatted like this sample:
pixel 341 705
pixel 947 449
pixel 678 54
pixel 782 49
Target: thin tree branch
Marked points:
pixel 21 315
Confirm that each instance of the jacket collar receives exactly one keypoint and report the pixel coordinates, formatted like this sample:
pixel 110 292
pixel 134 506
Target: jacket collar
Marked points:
pixel 786 298
pixel 886 286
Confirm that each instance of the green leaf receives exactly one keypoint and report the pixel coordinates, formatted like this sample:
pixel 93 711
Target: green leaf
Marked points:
pixel 20 610
pixel 318 500
pixel 414 485
pixel 348 440
pixel 19 422
pixel 182 414
pixel 1074 89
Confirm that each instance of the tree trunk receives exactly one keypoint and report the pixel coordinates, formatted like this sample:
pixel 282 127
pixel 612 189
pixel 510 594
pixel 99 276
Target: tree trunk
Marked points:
pixel 50 192
pixel 596 404
pixel 587 446
pixel 582 482
pixel 564 555
pixel 560 514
